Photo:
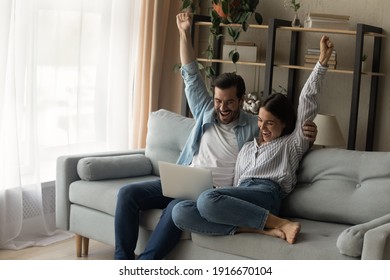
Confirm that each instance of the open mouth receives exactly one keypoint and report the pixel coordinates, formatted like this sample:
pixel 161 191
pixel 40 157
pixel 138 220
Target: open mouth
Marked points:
pixel 225 114
pixel 266 134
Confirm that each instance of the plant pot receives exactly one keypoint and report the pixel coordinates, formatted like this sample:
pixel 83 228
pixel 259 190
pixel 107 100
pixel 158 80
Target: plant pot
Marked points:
pixel 296 22
pixel 365 66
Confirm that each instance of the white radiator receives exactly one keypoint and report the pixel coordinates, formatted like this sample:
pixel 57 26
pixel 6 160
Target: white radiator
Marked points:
pixel 31 205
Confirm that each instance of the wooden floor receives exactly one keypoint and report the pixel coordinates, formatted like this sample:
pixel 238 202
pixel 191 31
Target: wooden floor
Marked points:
pixel 64 250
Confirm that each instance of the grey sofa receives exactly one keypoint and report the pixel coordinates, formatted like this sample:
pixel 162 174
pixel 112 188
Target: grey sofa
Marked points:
pixel 342 200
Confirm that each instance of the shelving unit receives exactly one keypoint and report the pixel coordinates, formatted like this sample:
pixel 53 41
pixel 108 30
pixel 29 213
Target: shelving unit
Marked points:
pixel 277 25
pixel 362 30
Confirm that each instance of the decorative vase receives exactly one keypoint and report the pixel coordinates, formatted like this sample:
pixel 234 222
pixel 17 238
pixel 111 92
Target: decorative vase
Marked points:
pixel 296 22
pixel 365 67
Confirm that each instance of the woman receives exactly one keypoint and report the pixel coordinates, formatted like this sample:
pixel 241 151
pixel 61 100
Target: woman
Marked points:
pixel 265 170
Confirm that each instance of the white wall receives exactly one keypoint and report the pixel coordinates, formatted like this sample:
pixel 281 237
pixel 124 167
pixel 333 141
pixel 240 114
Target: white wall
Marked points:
pixel 337 87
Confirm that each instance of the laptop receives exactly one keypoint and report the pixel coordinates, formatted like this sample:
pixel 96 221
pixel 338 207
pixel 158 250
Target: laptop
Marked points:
pixel 185 182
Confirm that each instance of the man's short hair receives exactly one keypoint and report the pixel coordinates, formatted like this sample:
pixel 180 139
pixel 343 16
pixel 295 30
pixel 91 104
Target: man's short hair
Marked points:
pixel 228 80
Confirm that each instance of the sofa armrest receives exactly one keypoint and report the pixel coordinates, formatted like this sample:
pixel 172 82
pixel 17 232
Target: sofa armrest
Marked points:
pixel 376 245
pixel 66 174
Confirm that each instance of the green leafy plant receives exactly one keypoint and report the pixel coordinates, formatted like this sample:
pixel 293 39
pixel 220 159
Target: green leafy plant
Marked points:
pixel 364 57
pixel 189 5
pixel 293 4
pixel 233 13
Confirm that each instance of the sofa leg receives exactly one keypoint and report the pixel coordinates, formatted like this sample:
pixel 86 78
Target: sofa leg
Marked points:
pixel 79 242
pixel 85 245
pixel 82 243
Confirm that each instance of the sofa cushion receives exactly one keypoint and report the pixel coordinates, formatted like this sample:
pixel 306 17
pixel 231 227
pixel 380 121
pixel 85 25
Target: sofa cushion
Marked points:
pixel 113 167
pixel 334 185
pixel 350 241
pixel 167 134
pixel 316 241
pixel 101 195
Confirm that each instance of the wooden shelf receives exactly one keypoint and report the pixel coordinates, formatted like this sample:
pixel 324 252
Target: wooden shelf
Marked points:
pixel 255 26
pixel 340 71
pixel 333 31
pixel 262 64
pixel 299 29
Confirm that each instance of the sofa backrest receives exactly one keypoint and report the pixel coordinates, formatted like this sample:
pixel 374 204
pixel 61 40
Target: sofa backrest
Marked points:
pixel 166 136
pixel 341 186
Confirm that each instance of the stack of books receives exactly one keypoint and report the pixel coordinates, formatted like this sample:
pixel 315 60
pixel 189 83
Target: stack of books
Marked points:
pixel 312 55
pixel 327 21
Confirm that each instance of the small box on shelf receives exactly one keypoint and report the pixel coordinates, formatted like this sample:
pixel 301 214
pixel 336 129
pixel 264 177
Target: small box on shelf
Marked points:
pixel 247 51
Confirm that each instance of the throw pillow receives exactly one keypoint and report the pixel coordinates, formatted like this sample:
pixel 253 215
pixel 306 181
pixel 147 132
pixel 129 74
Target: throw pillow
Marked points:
pixel 113 167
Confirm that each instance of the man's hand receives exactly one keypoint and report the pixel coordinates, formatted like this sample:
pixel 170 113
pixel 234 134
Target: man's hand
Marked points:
pixel 310 131
pixel 326 49
pixel 183 21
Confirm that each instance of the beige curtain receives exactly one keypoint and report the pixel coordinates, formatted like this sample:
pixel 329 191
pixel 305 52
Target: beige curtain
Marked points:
pixel 156 84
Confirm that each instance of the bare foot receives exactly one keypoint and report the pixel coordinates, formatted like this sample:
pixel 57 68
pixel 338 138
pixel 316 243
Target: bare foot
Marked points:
pixel 287 230
pixel 275 232
pixel 291 231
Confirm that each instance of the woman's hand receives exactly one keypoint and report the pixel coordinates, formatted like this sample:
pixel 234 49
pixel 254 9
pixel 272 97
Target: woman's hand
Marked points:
pixel 310 131
pixel 326 49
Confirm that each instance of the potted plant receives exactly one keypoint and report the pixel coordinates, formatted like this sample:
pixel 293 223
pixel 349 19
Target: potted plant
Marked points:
pixel 295 5
pixel 364 63
pixel 233 13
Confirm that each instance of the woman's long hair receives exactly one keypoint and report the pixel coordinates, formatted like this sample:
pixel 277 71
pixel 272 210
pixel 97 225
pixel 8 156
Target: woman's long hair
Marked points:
pixel 279 106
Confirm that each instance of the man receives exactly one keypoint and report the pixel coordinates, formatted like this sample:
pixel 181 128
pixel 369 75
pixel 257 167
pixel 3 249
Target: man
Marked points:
pixel 221 129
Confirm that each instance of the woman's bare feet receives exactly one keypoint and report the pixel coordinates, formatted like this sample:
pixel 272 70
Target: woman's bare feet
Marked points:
pixel 277 227
pixel 275 232
pixel 271 232
pixel 291 231
pixel 287 232
pixel 288 228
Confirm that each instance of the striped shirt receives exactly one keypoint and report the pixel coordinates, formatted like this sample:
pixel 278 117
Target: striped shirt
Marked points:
pixel 278 160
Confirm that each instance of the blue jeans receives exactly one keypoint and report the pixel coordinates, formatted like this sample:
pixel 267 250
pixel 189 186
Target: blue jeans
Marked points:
pixel 221 211
pixel 132 199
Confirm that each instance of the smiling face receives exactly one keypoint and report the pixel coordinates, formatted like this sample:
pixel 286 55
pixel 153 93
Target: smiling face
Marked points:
pixel 226 104
pixel 270 126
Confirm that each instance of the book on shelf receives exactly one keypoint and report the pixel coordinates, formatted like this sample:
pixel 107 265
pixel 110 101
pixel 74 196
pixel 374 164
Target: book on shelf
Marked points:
pixel 312 55
pixel 326 25
pixel 316 51
pixel 311 65
pixel 312 60
pixel 323 16
pixel 316 56
pixel 326 21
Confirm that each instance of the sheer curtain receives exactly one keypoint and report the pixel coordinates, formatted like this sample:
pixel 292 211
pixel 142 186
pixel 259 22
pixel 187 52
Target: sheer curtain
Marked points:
pixel 66 83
